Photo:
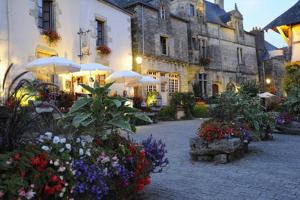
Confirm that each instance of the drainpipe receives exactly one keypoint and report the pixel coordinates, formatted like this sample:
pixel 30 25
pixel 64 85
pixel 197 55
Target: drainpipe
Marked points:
pixel 143 31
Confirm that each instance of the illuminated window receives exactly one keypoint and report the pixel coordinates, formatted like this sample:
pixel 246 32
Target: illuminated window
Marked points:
pixel 173 83
pixel 100 79
pixel 152 88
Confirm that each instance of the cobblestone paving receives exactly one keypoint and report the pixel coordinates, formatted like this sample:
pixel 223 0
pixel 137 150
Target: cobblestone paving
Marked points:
pixel 270 171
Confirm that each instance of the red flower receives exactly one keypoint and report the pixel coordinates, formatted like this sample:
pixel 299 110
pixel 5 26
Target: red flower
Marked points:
pixel 140 187
pixel 142 153
pixel 40 162
pixel 104 49
pixel 16 157
pixel 57 185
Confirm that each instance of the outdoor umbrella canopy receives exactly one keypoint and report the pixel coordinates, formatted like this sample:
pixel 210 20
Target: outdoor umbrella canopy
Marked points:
pixel 53 65
pixel 145 80
pixel 266 95
pixel 124 77
pixel 87 69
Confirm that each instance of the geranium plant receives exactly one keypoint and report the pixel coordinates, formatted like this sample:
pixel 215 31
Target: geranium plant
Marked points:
pixel 103 49
pixel 52 36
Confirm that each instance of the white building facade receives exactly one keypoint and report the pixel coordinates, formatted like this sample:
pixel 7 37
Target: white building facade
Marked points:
pixel 82 26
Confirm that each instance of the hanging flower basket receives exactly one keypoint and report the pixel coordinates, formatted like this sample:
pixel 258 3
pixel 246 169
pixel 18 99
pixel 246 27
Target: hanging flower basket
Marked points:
pixel 104 50
pixel 205 61
pixel 52 36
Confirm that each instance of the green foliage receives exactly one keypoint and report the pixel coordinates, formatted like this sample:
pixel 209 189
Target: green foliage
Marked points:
pixel 196 89
pixel 151 99
pixel 100 114
pixel 250 88
pixel 184 100
pixel 200 111
pixel 292 103
pixel 292 77
pixel 243 108
pixel 167 113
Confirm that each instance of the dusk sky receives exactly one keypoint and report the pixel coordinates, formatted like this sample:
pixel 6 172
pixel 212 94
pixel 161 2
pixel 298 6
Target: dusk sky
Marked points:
pixel 261 12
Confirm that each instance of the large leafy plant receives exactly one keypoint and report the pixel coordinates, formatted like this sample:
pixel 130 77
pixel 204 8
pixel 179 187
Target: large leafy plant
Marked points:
pixel 292 77
pixel 292 103
pixel 101 114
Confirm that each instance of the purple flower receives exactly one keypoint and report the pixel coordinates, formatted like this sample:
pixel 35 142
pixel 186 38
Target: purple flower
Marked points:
pixel 156 152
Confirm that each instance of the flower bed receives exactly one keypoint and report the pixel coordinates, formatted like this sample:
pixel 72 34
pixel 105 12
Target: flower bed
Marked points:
pixel 56 167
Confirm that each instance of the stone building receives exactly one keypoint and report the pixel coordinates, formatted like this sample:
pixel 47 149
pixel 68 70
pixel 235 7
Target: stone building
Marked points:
pixel 186 42
pixel 271 62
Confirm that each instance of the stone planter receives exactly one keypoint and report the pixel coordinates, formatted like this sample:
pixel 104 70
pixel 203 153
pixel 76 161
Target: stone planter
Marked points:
pixel 222 151
pixel 180 114
pixel 291 129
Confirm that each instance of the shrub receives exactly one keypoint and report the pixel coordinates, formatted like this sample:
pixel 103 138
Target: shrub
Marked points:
pixel 250 88
pixel 292 77
pixel 200 111
pixel 292 103
pixel 167 113
pixel 151 99
pixel 184 100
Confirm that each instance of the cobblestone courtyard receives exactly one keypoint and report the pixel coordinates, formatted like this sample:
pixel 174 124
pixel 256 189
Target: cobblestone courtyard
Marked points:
pixel 270 171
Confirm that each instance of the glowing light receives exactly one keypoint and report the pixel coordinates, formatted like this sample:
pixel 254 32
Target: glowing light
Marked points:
pixel 268 81
pixel 139 60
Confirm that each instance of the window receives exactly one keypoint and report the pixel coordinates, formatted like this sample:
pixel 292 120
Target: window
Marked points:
pixel 191 10
pixel 203 84
pixel 173 83
pixel 203 49
pixel 152 88
pixel 240 55
pixel 195 42
pixel 100 33
pixel 46 14
pixel 100 79
pixel 162 12
pixel 164 45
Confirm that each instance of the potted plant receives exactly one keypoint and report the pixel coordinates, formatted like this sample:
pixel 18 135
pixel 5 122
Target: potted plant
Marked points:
pixel 52 36
pixel 103 50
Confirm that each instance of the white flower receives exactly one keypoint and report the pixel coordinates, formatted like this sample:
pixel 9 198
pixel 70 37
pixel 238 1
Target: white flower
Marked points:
pixel 83 143
pixel 67 163
pixel 56 163
pixel 45 148
pixel 62 150
pixel 56 140
pixel 61 194
pixel 63 140
pixel 105 160
pixel 88 152
pixel 105 171
pixel 32 185
pixel 81 152
pixel 9 162
pixel 78 140
pixel 61 169
pixel 29 195
pixel 49 135
pixel 61 177
pixel 66 184
pixel 68 146
pixel 63 190
pixel 51 162
pixel 115 158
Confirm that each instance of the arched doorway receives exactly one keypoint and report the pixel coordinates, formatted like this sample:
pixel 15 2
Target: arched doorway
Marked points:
pixel 215 90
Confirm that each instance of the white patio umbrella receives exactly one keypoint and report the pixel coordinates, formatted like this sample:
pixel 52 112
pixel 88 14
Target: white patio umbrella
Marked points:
pixel 87 69
pixel 124 77
pixel 266 95
pixel 144 81
pixel 53 65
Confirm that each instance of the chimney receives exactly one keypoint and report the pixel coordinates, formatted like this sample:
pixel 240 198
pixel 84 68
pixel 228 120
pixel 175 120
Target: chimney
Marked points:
pixel 220 3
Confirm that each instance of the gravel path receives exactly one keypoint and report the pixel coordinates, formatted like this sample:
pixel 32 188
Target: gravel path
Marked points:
pixel 270 171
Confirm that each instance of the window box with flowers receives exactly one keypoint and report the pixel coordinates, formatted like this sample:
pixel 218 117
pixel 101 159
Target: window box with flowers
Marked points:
pixel 205 61
pixel 51 36
pixel 103 50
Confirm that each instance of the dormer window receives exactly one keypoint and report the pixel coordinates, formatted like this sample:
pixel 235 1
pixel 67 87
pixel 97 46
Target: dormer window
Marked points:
pixel 46 15
pixel 191 10
pixel 162 12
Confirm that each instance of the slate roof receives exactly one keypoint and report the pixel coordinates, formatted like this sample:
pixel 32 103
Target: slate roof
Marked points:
pixel 290 17
pixel 270 47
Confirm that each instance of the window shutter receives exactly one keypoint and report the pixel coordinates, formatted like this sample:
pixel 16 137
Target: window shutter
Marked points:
pixel 40 13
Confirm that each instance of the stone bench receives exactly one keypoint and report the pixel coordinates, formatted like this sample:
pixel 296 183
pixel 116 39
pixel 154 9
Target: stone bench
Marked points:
pixel 222 151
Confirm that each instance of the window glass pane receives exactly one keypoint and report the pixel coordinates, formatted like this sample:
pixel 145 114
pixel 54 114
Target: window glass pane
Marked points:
pixel 100 33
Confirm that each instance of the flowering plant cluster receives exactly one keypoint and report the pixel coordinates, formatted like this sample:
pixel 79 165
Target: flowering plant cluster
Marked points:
pixel 103 49
pixel 211 131
pixel 52 36
pixel 58 167
pixel 205 61
pixel 284 119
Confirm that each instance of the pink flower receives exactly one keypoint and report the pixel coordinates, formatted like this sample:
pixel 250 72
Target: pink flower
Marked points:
pixel 29 195
pixel 1 194
pixel 22 192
